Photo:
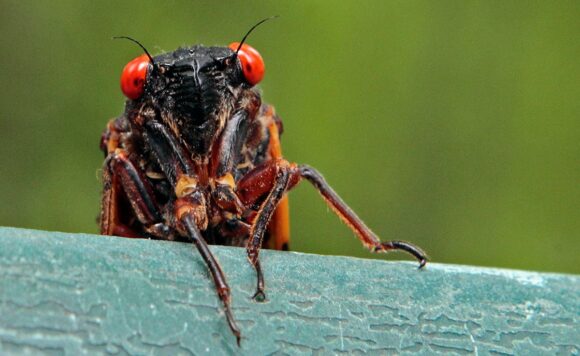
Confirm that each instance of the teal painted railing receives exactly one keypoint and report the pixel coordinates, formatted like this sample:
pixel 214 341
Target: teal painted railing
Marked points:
pixel 76 293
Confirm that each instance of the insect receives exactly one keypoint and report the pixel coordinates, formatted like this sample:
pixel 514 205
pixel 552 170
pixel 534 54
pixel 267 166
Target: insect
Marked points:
pixel 196 157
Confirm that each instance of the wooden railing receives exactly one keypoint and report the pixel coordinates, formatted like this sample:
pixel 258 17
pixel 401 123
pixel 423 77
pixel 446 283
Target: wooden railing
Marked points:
pixel 76 293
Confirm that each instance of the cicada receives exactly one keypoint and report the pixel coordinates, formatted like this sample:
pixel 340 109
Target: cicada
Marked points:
pixel 196 157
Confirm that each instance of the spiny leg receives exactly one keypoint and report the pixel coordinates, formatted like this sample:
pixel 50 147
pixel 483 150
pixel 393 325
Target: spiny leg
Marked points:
pixel 260 295
pixel 274 179
pixel 261 223
pixel 367 237
pixel 122 177
pixel 216 272
pixel 273 212
pixel 189 205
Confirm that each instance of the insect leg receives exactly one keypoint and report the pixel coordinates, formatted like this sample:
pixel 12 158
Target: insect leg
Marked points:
pixel 188 220
pixel 274 179
pixel 345 213
pixel 110 217
pixel 120 176
pixel 171 156
pixel 232 139
pixel 189 206
pixel 228 156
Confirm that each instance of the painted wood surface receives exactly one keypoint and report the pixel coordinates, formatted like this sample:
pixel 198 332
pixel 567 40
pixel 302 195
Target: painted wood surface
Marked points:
pixel 79 294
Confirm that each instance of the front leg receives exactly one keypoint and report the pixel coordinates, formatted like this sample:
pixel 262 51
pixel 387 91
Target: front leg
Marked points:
pixel 228 156
pixel 229 150
pixel 267 209
pixel 264 179
pixel 190 204
pixel 122 179
pixel 186 212
pixel 272 180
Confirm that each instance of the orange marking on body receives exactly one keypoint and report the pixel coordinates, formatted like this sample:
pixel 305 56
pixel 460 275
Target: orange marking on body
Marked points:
pixel 279 226
pixel 275 148
pixel 185 185
pixel 113 139
pixel 227 179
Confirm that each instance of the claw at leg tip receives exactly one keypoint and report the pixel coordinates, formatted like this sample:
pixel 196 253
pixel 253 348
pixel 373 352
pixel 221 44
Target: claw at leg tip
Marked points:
pixel 259 296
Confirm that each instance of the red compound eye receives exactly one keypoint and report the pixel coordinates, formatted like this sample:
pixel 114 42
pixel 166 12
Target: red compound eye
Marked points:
pixel 252 63
pixel 133 77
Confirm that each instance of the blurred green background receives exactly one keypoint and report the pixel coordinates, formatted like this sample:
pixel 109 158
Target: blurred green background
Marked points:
pixel 454 125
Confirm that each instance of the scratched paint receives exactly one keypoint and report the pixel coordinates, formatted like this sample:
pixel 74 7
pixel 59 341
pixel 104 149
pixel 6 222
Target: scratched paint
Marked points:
pixel 74 294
